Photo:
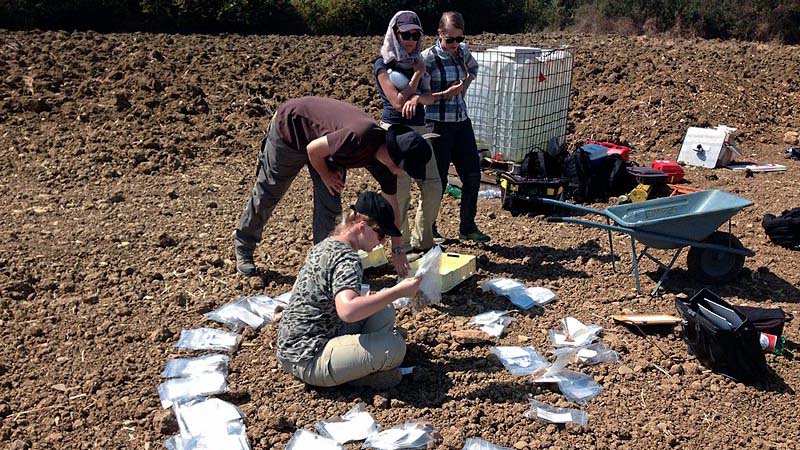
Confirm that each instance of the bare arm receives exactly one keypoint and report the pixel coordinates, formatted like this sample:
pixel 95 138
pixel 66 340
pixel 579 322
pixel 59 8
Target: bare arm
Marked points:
pixel 426 98
pixel 318 150
pixel 351 307
pixel 391 92
pixel 399 261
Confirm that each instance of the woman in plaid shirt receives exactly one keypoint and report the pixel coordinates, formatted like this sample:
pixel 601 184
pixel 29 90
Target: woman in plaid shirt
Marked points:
pixel 452 68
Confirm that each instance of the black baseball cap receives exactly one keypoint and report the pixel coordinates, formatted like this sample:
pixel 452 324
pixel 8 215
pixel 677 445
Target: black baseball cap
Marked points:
pixel 377 208
pixel 408 149
pixel 407 21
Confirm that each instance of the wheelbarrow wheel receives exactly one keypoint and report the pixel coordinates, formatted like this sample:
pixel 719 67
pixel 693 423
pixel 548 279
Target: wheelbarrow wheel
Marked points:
pixel 716 266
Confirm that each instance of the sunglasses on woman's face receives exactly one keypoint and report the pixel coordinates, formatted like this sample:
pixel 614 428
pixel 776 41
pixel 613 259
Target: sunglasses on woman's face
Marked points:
pixel 458 39
pixel 410 35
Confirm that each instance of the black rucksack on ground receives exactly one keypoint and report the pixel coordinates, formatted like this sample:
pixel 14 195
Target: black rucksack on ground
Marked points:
pixel 578 175
pixel 541 164
pixel 592 181
pixel 620 180
pixel 783 230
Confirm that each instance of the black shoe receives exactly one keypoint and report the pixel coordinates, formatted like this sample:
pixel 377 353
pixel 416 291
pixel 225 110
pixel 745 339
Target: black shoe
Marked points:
pixel 475 236
pixel 245 264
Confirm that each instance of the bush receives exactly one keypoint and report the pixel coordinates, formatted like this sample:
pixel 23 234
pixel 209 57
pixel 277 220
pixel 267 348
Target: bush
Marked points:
pixel 741 19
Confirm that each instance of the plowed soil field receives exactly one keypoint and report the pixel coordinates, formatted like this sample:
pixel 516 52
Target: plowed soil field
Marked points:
pixel 125 161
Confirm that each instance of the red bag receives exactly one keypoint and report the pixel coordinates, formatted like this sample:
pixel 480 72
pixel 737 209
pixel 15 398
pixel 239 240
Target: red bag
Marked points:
pixel 671 168
pixel 614 149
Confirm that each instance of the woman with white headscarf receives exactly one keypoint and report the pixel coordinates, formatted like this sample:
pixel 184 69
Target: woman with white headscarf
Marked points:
pixel 403 101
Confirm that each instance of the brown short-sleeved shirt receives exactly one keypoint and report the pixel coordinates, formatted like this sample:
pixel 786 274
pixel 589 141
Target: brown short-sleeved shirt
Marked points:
pixel 353 137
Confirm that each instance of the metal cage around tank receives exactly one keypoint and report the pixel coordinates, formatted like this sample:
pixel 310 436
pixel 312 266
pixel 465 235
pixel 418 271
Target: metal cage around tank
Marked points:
pixel 520 99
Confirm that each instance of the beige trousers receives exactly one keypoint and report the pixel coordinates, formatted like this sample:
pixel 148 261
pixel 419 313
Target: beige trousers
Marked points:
pixel 364 347
pixel 421 236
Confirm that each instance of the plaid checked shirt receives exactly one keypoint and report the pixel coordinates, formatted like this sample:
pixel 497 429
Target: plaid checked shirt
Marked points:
pixel 444 70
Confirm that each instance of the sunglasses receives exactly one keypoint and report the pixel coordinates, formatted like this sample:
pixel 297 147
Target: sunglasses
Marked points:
pixel 379 232
pixel 410 35
pixel 458 39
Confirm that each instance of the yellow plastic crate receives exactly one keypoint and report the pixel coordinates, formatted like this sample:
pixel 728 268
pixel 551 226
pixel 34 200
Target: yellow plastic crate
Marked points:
pixel 375 258
pixel 454 268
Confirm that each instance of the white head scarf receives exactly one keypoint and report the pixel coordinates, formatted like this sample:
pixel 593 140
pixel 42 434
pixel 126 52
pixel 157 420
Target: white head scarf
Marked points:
pixel 392 50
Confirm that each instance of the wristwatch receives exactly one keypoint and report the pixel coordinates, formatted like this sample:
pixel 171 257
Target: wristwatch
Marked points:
pixel 398 251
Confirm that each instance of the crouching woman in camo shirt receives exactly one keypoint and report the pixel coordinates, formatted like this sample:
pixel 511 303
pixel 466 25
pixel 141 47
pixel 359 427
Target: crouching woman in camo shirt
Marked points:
pixel 330 334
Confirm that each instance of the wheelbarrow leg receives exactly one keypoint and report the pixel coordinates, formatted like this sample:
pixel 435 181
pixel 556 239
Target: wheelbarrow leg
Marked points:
pixel 611 246
pixel 644 254
pixel 666 271
pixel 635 265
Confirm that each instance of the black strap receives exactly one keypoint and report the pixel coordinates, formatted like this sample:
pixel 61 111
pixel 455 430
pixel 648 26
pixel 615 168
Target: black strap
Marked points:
pixel 542 165
pixel 443 81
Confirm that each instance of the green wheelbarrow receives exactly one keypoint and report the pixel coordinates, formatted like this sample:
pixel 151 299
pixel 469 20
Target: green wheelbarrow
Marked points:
pixel 689 220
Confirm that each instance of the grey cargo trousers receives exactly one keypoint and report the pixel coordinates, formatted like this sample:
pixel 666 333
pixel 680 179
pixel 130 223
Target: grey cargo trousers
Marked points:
pixel 278 165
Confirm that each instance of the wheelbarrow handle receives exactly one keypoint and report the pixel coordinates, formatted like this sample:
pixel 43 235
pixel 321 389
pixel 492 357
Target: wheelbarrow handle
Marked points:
pixel 572 207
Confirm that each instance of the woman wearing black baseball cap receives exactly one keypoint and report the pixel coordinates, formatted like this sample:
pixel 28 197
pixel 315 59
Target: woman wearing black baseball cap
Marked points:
pixel 331 333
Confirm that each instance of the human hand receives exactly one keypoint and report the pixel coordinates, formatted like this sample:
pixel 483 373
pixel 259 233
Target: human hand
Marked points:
pixel 419 66
pixel 409 287
pixel 333 180
pixel 410 107
pixel 400 263
pixel 455 89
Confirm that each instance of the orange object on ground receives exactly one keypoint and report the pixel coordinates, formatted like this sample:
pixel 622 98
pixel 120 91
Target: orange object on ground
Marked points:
pixel 679 189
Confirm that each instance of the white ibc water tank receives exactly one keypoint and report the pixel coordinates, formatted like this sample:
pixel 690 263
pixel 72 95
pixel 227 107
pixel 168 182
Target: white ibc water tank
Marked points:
pixel 520 100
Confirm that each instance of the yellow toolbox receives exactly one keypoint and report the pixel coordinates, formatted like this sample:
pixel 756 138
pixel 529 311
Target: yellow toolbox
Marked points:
pixel 454 268
pixel 375 258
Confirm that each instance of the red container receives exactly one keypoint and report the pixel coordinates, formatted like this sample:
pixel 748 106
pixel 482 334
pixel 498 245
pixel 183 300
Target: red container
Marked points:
pixel 671 168
pixel 614 149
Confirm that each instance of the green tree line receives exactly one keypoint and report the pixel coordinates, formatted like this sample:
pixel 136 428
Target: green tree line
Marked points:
pixel 740 19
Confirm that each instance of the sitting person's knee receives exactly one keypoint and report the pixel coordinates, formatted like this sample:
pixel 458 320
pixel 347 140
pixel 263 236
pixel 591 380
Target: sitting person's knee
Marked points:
pixel 394 353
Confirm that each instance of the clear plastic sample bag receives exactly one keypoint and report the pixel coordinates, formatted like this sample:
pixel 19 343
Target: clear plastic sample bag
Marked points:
pixel 208 339
pixel 182 389
pixel 408 435
pixel 189 367
pixel 552 414
pixel 306 440
pixel 480 444
pixel 492 322
pixel 520 360
pixel 357 424
pixel 574 333
pixel 431 285
pixel 208 417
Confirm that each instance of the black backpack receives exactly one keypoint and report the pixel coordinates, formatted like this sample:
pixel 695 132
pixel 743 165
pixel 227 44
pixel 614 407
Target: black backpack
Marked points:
pixel 540 164
pixel 596 181
pixel 783 230
pixel 735 351
pixel 620 180
pixel 578 175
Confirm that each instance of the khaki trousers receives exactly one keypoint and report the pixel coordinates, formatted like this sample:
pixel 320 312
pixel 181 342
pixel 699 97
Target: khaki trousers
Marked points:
pixel 421 235
pixel 363 348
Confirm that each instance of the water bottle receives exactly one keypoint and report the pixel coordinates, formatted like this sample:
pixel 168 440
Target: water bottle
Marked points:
pixel 489 194
pixel 453 191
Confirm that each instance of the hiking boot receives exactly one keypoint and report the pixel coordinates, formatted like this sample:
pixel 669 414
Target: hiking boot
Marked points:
pixel 380 380
pixel 245 264
pixel 475 236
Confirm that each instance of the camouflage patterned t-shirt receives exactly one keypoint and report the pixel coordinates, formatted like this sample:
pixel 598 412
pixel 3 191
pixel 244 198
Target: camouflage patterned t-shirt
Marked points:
pixel 310 320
